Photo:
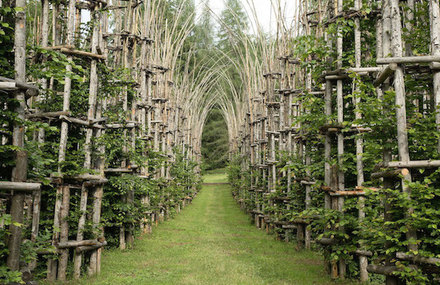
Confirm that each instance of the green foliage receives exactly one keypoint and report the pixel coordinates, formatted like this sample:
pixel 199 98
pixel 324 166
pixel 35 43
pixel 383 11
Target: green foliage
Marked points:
pixel 28 250
pixel 384 229
pixel 125 197
pixel 234 22
pixel 204 31
pixel 117 211
pixel 234 172
pixel 387 237
pixel 215 141
pixel 181 14
pixel 210 242
pixel 163 195
pixel 239 179
pixel 7 24
pixel 6 275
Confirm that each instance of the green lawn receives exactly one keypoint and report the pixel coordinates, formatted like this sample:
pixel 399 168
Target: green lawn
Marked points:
pixel 210 242
pixel 215 176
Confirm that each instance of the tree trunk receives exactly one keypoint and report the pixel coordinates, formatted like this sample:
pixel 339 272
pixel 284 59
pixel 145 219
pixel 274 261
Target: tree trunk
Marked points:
pixel 19 172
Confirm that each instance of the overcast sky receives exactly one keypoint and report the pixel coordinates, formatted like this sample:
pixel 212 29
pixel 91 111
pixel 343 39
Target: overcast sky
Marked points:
pixel 264 9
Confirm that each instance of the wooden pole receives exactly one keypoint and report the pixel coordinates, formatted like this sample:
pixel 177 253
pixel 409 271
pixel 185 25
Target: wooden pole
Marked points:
pixel 95 257
pixel 399 87
pixel 408 22
pixel 327 143
pixel 144 94
pixel 93 92
pixel 61 190
pixel 363 261
pixel 19 172
pixel 388 182
pixel 64 233
pixel 435 50
pixel 80 234
pixel 93 86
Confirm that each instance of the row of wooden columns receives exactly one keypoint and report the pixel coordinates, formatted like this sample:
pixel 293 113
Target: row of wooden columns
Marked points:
pixel 153 116
pixel 269 130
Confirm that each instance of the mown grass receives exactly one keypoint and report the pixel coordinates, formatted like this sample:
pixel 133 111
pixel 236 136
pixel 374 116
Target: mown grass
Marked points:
pixel 210 242
pixel 215 176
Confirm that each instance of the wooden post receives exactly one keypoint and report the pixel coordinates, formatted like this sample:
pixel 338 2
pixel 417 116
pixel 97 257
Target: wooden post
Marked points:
pixel 44 43
pixel 19 172
pixel 61 190
pixel 93 87
pixel 64 233
pixel 144 98
pixel 95 258
pixel 408 20
pixel 308 200
pixel 35 214
pixel 399 87
pixel 80 234
pixel 388 183
pixel 363 261
pixel 435 50
pixel 327 143
pixel 93 92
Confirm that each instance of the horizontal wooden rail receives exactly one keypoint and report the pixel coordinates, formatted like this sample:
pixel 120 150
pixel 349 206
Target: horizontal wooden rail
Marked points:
pixel 409 59
pixel 19 186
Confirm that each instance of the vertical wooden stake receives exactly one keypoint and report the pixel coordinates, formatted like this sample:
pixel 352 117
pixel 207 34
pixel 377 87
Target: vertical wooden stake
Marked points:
pixel 399 87
pixel 435 50
pixel 19 172
pixel 80 234
pixel 64 233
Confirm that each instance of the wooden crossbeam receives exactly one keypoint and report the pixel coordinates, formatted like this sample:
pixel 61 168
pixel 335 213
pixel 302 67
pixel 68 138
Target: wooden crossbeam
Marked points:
pixel 19 186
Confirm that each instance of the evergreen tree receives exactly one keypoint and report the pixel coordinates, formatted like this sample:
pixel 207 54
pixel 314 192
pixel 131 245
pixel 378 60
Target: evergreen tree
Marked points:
pixel 204 40
pixel 215 141
pixel 204 30
pixel 233 23
pixel 209 52
pixel 187 11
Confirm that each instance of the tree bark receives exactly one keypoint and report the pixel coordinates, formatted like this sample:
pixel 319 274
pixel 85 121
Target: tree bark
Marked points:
pixel 64 233
pixel 19 172
pixel 435 50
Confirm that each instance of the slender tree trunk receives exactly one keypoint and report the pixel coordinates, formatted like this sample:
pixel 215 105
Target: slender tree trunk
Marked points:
pixel 80 234
pixel 19 172
pixel 399 87
pixel 435 50
pixel 62 202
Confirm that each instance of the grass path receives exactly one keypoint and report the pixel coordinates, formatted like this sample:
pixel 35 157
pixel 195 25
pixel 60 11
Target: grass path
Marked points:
pixel 210 242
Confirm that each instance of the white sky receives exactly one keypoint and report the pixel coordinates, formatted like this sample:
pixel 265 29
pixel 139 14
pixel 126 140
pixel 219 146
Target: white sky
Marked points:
pixel 264 10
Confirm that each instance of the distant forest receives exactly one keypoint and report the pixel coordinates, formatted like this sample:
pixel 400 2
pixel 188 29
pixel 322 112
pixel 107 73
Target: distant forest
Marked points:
pixel 215 141
pixel 218 46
